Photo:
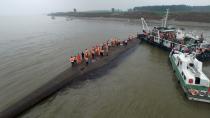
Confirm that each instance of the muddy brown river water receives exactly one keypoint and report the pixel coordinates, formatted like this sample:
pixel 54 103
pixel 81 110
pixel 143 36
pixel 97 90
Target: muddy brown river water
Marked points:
pixel 35 49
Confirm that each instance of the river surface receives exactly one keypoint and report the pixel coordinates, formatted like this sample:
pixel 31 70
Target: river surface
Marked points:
pixel 35 49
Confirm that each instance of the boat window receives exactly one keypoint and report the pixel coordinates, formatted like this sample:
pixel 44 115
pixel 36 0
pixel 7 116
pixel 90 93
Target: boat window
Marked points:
pixel 197 80
pixel 196 41
pixel 184 77
pixel 191 65
pixel 182 73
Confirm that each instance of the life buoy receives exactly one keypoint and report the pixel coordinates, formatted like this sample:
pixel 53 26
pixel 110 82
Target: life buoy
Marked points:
pixel 193 92
pixel 71 59
pixel 202 93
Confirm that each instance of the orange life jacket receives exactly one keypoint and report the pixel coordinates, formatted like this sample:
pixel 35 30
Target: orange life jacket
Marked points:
pixel 98 50
pixel 78 58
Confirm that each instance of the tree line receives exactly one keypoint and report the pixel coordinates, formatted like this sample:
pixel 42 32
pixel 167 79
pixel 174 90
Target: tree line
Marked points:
pixel 173 8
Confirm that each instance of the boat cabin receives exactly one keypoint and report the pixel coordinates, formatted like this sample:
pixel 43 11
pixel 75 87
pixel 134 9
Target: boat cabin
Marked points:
pixel 191 70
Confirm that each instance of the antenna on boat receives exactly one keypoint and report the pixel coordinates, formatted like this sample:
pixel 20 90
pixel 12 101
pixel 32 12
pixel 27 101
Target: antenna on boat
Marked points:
pixel 166 18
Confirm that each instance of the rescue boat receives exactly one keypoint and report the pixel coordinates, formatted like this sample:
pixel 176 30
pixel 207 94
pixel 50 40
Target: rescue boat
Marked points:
pixel 188 70
pixel 168 37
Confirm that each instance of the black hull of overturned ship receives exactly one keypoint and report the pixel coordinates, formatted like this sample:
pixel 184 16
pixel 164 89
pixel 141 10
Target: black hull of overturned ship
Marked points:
pixel 77 73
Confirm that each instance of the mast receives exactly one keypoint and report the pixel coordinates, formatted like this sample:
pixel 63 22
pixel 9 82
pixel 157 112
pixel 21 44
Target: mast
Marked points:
pixel 166 18
pixel 162 20
pixel 142 21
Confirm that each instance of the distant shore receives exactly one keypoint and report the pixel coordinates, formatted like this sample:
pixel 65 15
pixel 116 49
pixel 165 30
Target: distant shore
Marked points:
pixel 152 16
pixel 149 21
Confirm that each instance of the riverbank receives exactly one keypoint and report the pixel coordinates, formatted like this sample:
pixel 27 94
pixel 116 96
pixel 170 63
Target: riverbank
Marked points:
pixel 150 22
pixel 175 16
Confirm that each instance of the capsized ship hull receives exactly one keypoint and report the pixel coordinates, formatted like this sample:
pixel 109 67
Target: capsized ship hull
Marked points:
pixel 65 78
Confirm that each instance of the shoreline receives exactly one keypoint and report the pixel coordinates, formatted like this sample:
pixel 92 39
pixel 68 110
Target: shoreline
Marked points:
pixel 149 21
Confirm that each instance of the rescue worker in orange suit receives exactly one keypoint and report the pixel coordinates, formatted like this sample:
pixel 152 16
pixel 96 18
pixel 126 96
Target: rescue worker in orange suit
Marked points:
pixel 86 56
pixel 78 59
pixel 72 60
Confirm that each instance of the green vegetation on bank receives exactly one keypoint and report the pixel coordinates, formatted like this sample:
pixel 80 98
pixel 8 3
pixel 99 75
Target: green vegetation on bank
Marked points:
pixel 173 8
pixel 177 12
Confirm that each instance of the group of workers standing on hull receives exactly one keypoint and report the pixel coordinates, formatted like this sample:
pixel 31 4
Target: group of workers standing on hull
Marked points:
pixel 90 56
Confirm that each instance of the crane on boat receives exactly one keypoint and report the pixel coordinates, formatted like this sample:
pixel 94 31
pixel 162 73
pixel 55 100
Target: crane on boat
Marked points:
pixel 144 25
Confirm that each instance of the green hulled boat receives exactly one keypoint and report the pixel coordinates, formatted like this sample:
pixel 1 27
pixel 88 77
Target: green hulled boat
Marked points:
pixel 194 82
